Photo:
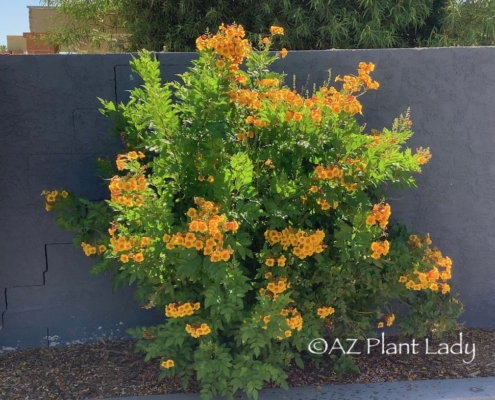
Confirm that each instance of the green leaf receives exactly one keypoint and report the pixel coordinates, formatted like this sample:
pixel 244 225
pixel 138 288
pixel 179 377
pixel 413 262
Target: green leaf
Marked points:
pixel 298 360
pixel 241 169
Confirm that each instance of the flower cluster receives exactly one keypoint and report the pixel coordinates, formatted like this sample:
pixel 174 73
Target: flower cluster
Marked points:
pixel 276 30
pixel 424 155
pixel 304 245
pixel 354 84
pixel 167 364
pixel 336 175
pixel 273 289
pixel 266 320
pixel 51 197
pixel 356 163
pixel 329 172
pixel 178 310
pixel 339 102
pixel 126 190
pixel 433 279
pixel 197 331
pixel 376 138
pixel 324 312
pixel 379 249
pixel 270 262
pixel 209 178
pixel 123 158
pixel 389 320
pixel 206 231
pixel 325 205
pixel 295 106
pixel 228 43
pixel 121 244
pixel 243 135
pixel 379 214
pixel 279 286
pixel 268 82
pixel 416 241
pixel 247 98
pixel 295 321
pixel 90 250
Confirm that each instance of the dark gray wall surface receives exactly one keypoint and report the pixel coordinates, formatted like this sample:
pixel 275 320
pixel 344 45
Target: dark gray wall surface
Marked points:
pixel 51 134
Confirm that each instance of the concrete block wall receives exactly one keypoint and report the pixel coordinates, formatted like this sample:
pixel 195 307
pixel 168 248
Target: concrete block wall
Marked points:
pixel 51 134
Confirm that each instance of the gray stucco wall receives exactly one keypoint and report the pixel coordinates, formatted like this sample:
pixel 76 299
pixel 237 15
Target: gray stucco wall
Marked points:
pixel 51 133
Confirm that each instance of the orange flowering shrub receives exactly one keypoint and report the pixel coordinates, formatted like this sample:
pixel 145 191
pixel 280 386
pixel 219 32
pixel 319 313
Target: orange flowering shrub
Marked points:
pixel 255 218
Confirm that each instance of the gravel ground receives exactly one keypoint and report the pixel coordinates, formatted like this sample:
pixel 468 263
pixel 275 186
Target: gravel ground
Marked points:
pixel 112 369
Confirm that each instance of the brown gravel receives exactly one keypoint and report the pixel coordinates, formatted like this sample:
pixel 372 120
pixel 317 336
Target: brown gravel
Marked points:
pixel 112 369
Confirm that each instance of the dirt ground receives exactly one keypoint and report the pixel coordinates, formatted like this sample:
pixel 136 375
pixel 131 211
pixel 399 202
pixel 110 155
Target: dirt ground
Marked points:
pixel 112 369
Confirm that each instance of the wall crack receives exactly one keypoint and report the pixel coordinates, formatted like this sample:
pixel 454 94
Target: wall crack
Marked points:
pixel 3 312
pixel 46 265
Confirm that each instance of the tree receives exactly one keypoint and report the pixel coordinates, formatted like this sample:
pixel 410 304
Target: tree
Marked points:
pixel 154 24
pixel 467 23
pixel 3 47
pixel 311 25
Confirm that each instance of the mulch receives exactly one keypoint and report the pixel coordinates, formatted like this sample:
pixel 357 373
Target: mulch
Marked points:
pixel 112 369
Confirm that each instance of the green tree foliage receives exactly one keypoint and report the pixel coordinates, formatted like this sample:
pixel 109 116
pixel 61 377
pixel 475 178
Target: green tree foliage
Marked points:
pixel 311 25
pixel 467 23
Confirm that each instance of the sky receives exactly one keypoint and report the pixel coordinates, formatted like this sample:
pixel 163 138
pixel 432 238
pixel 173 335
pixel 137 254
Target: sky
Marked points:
pixel 14 17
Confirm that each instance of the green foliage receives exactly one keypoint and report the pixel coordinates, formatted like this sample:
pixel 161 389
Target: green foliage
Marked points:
pixel 312 25
pixel 255 218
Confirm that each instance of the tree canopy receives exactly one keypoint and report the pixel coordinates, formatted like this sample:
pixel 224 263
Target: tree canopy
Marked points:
pixel 173 25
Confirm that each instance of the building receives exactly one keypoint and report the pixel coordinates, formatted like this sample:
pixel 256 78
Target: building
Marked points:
pixel 41 20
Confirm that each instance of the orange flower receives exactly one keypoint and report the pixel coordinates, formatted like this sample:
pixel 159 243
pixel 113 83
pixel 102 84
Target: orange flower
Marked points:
pixel 191 213
pixel 276 30
pixel 167 364
pixel 241 79
pixel 283 52
pixel 139 257
pixel 370 220
pixel 281 261
pixel 298 116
